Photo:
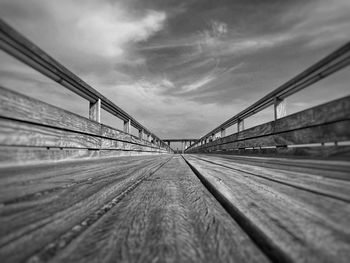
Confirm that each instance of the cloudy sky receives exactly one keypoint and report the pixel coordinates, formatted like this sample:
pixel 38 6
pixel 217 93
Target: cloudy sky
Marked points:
pixel 179 67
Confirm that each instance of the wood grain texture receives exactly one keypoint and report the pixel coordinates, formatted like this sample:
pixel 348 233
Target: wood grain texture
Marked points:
pixel 15 156
pixel 319 152
pixel 171 217
pixel 292 216
pixel 42 202
pixel 321 168
pixel 16 133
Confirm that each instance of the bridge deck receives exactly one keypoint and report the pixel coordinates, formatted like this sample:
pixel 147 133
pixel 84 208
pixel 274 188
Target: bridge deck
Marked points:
pixel 162 209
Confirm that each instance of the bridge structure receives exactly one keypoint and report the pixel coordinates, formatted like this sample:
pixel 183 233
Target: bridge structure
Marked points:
pixel 185 143
pixel 73 189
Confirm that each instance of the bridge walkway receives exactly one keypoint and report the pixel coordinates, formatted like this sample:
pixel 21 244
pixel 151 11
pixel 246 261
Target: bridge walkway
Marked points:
pixel 173 208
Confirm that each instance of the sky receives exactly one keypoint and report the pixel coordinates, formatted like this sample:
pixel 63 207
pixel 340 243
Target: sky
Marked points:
pixel 180 68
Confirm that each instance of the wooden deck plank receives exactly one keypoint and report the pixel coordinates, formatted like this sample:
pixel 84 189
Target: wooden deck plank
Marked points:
pixel 336 169
pixel 40 203
pixel 170 217
pixel 293 224
pixel 322 185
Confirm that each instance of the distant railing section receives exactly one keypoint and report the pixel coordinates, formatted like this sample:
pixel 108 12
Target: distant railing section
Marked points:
pixel 335 61
pixel 185 143
pixel 24 50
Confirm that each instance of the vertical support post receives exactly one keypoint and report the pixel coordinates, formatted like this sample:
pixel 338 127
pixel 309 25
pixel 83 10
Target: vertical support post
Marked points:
pixel 280 109
pixel 183 146
pixel 95 110
pixel 149 138
pixel 141 134
pixel 223 133
pixel 127 126
pixel 240 125
pixel 168 143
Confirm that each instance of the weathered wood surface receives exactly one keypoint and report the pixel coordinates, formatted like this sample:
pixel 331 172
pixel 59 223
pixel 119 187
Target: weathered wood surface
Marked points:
pixel 43 202
pixel 329 122
pixel 131 209
pixel 331 168
pixel 292 216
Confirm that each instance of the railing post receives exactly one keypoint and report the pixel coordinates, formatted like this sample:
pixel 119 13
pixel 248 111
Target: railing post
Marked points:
pixel 95 111
pixel 223 133
pixel 279 107
pixel 240 125
pixel 127 126
pixel 141 134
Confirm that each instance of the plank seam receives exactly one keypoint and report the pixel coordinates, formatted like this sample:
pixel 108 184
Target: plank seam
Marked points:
pixel 263 242
pixel 278 181
pixel 50 250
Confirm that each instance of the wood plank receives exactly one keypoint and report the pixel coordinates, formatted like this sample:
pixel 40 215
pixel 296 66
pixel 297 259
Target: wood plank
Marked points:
pixel 41 203
pixel 321 168
pixel 293 224
pixel 16 106
pixel 319 152
pixel 15 156
pixel 171 218
pixel 16 133
pixel 309 179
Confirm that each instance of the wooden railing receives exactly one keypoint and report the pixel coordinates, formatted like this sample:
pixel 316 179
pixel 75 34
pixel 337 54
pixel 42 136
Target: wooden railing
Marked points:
pixel 323 125
pixel 20 47
pixel 31 130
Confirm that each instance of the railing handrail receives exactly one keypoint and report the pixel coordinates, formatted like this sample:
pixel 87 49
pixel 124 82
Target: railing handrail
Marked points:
pixel 335 61
pixel 26 51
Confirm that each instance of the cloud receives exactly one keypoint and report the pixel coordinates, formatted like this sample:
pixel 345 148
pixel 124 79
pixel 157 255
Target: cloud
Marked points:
pixel 197 84
pixel 83 32
pixel 107 32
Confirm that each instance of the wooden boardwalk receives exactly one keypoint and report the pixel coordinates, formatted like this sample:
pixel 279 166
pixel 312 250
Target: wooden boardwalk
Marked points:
pixel 169 208
pixel 75 190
